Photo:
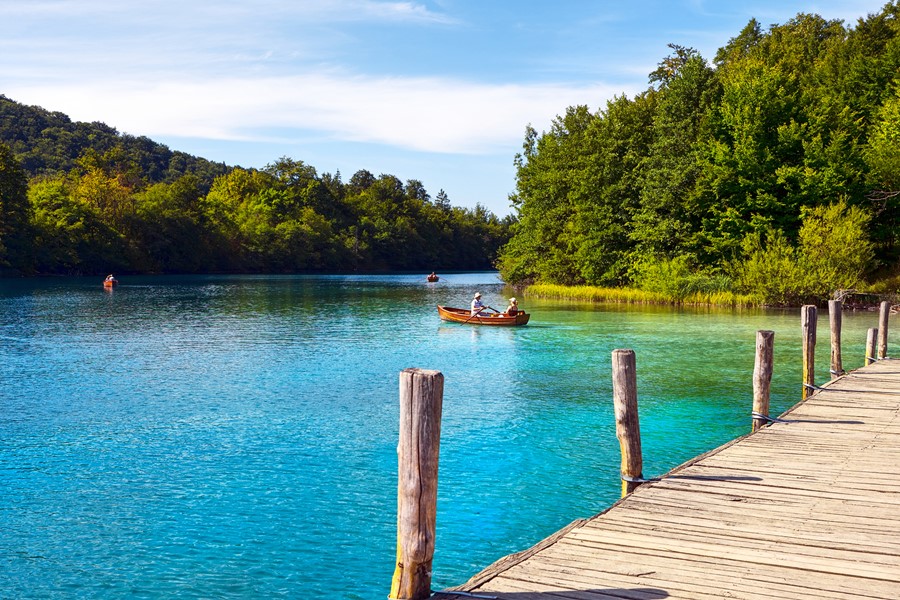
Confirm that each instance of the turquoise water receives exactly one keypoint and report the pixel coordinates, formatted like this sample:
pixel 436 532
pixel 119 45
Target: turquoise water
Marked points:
pixel 235 437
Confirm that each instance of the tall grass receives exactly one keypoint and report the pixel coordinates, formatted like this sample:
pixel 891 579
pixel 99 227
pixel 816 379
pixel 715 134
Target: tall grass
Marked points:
pixel 635 296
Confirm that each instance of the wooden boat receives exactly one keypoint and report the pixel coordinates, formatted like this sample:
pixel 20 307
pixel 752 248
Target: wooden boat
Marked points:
pixel 432 278
pixel 108 283
pixel 464 315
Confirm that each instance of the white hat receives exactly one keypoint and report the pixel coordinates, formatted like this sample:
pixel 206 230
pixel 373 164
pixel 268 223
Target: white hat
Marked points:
pixel 512 300
pixel 478 294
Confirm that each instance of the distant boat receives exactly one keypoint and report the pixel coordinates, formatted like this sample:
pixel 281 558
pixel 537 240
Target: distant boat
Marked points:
pixel 432 278
pixel 464 315
pixel 108 283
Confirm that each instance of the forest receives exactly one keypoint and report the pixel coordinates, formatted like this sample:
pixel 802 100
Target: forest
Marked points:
pixel 772 171
pixel 82 198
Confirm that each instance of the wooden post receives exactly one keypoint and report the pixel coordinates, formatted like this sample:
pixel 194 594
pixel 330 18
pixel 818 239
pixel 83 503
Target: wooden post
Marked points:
pixel 421 400
pixel 762 375
pixel 628 429
pixel 871 345
pixel 834 318
pixel 883 315
pixel 808 319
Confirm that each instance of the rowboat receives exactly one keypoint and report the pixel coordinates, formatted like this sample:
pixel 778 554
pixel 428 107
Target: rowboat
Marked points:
pixel 108 283
pixel 432 278
pixel 464 315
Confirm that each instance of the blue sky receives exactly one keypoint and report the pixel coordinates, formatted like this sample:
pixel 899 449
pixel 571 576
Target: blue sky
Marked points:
pixel 439 91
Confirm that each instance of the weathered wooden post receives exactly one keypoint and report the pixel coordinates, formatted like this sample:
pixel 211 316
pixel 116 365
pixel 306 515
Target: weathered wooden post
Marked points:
pixel 883 315
pixel 762 376
pixel 871 345
pixel 808 319
pixel 421 400
pixel 834 318
pixel 628 429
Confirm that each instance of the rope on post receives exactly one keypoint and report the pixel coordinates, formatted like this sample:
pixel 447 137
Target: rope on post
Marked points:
pixel 630 479
pixel 760 417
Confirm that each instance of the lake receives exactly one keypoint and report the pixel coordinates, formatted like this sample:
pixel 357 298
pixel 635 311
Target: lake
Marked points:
pixel 235 436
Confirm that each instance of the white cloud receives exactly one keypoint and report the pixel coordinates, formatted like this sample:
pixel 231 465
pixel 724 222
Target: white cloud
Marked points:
pixel 163 11
pixel 425 114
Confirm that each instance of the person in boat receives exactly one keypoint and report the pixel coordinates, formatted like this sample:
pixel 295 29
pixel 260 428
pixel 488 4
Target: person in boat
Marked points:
pixel 478 306
pixel 513 308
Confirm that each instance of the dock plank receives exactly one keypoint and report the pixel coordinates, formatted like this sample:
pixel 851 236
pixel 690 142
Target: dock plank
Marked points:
pixel 800 510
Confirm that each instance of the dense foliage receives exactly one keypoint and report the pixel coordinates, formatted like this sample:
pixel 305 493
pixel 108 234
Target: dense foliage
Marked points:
pixel 82 198
pixel 785 150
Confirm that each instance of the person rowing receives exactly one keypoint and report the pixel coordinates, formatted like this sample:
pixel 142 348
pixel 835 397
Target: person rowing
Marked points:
pixel 478 306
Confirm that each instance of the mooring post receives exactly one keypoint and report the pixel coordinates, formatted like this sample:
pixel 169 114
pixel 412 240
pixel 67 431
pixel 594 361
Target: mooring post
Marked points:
pixel 871 345
pixel 808 319
pixel 762 377
pixel 628 429
pixel 834 318
pixel 421 400
pixel 883 314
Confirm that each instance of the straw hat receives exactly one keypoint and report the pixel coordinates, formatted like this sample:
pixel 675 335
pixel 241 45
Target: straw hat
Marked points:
pixel 513 300
pixel 478 294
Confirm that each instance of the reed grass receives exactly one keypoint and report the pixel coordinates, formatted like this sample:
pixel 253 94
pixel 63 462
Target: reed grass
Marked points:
pixel 635 296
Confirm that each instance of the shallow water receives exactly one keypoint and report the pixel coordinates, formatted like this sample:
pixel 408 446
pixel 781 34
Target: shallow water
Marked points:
pixel 235 437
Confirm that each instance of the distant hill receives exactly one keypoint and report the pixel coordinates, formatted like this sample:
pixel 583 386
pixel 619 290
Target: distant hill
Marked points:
pixel 50 143
pixel 82 198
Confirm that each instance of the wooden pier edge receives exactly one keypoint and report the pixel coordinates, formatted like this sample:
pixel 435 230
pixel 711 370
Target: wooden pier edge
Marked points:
pixel 504 563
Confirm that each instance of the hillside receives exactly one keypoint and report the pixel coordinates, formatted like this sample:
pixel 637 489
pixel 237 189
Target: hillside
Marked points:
pixel 82 198
pixel 50 143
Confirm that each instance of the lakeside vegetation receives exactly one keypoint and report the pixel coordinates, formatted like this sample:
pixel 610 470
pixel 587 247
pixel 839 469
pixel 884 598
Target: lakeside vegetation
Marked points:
pixel 772 173
pixel 81 198
pixel 629 295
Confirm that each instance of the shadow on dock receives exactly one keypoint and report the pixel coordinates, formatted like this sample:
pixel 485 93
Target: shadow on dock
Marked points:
pixel 590 594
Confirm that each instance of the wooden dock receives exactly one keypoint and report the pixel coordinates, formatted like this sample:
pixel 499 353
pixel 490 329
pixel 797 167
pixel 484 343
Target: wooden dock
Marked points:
pixel 806 508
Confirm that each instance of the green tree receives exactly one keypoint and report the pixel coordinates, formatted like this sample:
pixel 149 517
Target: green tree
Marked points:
pixel 883 152
pixel 546 177
pixel 608 194
pixel 14 212
pixel 834 241
pixel 670 218
pixel 167 232
pixel 71 236
pixel 833 253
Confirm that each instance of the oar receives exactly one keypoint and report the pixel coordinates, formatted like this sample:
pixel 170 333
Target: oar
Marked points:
pixel 470 318
pixel 476 314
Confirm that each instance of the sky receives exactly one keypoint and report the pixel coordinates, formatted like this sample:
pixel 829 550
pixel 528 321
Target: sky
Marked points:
pixel 435 90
